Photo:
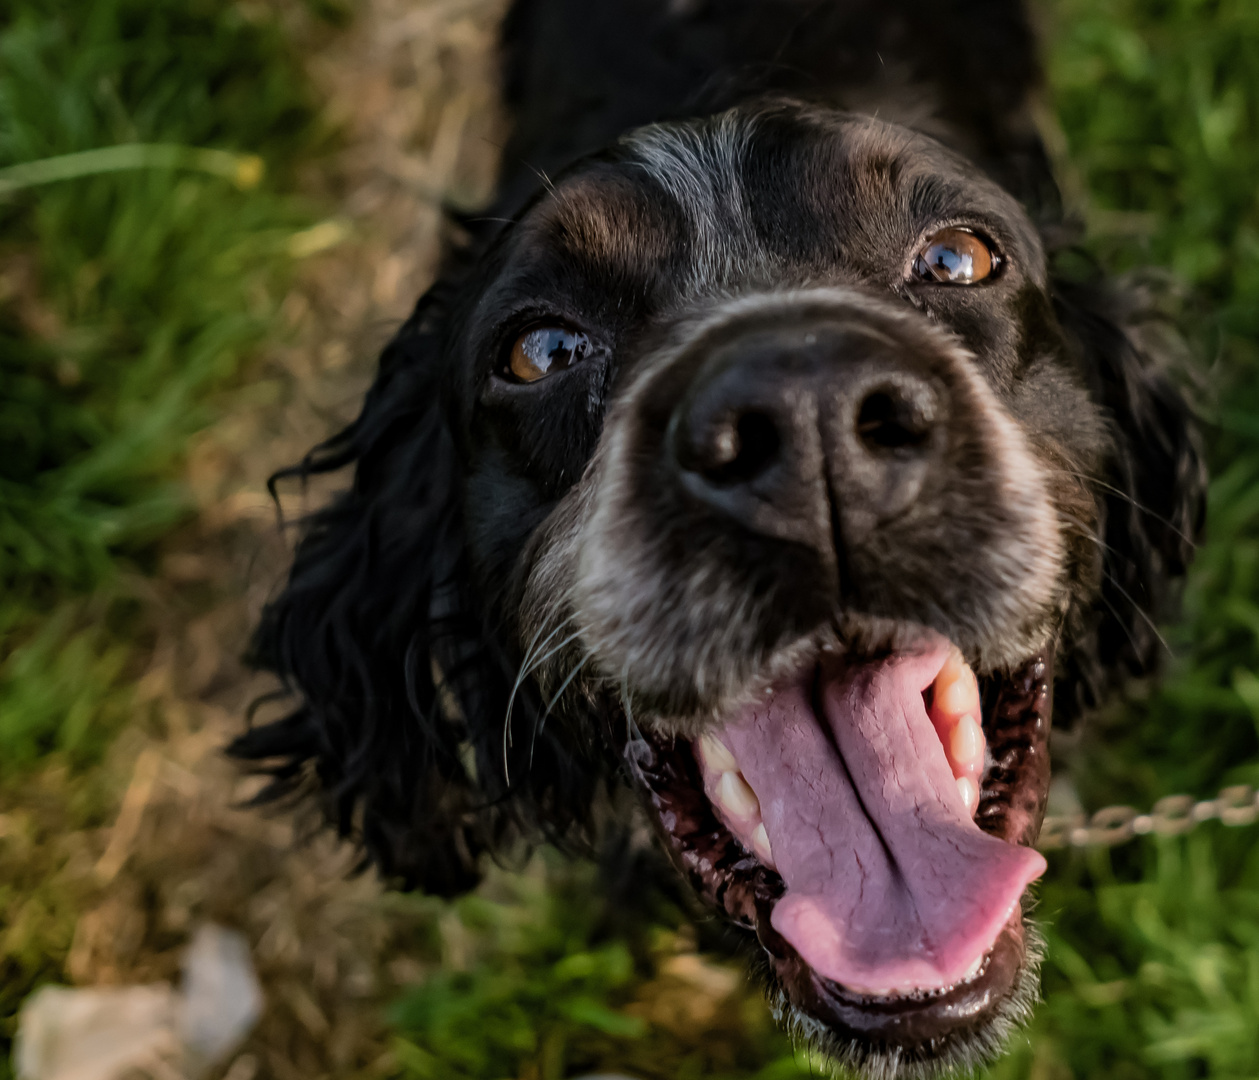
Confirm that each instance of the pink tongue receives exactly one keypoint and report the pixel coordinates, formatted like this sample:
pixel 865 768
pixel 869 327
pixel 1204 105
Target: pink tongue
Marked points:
pixel 891 887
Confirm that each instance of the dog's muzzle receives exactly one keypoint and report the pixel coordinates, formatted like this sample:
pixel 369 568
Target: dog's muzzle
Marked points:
pixel 787 462
pixel 809 524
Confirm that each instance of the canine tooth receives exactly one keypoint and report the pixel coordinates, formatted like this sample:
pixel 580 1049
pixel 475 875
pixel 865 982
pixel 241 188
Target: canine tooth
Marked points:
pixel 760 844
pixel 973 970
pixel 956 688
pixel 716 754
pixel 959 696
pixel 736 798
pixel 966 743
pixel 969 791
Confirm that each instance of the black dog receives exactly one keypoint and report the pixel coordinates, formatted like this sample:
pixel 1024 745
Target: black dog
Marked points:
pixel 759 464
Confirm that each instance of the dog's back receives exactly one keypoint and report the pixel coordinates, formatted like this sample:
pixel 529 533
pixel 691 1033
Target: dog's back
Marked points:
pixel 578 75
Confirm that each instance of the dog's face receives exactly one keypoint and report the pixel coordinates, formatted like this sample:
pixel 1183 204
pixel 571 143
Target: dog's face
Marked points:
pixel 756 457
pixel 767 424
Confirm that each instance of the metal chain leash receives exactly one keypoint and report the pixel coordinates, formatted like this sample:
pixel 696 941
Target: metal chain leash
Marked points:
pixel 1174 815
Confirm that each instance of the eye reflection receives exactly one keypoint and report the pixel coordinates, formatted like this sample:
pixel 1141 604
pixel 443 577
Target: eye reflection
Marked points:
pixel 955 257
pixel 543 350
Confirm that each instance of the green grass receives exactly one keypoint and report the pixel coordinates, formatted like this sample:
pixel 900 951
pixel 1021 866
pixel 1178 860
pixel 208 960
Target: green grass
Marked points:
pixel 1159 100
pixel 539 980
pixel 1153 967
pixel 542 983
pixel 138 294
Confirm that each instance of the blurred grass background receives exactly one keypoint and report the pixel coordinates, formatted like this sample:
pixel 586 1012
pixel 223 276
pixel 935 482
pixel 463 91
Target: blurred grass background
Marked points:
pixel 129 299
pixel 135 304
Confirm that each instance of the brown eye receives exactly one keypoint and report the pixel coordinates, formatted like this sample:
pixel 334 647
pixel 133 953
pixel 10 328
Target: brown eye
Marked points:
pixel 955 257
pixel 543 350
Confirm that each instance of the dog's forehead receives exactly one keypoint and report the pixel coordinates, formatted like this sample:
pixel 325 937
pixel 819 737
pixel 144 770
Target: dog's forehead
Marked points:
pixel 774 197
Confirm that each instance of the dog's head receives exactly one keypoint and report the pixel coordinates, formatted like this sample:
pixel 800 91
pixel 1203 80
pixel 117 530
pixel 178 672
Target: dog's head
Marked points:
pixel 759 464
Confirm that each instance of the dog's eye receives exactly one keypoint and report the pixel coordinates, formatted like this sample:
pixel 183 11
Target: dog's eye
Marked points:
pixel 542 350
pixel 955 257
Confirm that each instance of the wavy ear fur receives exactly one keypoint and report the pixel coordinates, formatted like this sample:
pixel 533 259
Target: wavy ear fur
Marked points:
pixel 402 689
pixel 1155 499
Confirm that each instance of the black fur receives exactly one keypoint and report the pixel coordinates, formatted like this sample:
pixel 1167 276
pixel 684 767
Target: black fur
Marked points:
pixel 579 75
pixel 1155 497
pixel 379 608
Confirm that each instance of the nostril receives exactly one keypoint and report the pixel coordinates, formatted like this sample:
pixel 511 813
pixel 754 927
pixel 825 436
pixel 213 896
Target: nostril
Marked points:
pixel 743 449
pixel 889 421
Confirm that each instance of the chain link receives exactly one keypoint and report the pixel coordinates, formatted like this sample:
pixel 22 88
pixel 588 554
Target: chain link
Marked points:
pixel 1171 816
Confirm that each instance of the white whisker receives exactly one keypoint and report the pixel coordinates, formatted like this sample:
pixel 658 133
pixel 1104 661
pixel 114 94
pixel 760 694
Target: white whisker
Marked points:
pixel 1128 499
pixel 527 665
pixel 551 704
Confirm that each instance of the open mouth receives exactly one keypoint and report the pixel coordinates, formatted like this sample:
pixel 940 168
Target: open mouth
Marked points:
pixel 871 821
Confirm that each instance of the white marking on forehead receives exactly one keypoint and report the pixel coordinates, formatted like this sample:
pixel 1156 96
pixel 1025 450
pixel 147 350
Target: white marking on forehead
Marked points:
pixel 700 166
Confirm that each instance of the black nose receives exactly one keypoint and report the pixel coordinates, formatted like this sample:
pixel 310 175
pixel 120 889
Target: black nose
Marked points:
pixel 805 431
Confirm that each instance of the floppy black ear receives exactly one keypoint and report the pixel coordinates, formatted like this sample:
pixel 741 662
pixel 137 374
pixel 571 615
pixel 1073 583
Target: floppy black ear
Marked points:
pixel 1154 495
pixel 402 687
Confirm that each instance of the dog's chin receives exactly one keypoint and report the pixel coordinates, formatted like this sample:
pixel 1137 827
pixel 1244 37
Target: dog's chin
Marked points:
pixel 889 909
pixel 889 1040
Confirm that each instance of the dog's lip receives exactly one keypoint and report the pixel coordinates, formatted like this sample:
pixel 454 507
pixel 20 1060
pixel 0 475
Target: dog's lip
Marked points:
pixel 1016 723
pixel 925 1019
pixel 897 1019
